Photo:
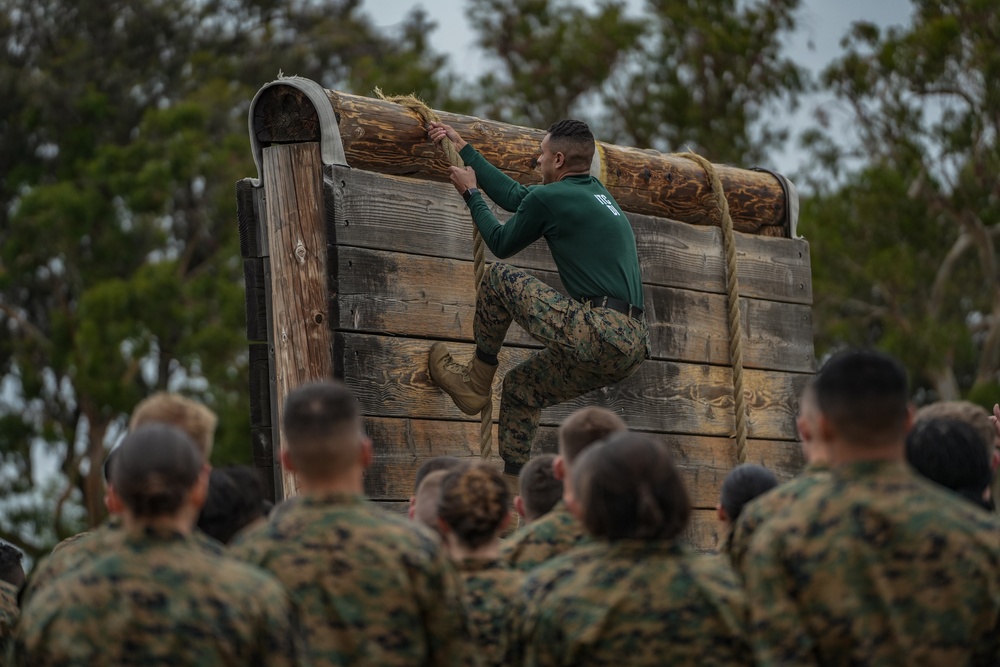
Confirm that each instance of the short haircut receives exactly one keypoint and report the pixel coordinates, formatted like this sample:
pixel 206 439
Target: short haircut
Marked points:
pixel 106 468
pixel 11 569
pixel 181 412
pixel 951 453
pixel 574 140
pixel 629 488
pixel 434 464
pixel 540 490
pixel 474 502
pixel 322 428
pixel 864 395
pixel 585 427
pixel 743 484
pixel 428 499
pixel 966 411
pixel 155 468
pixel 235 500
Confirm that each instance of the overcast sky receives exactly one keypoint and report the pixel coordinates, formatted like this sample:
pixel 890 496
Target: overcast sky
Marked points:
pixel 822 24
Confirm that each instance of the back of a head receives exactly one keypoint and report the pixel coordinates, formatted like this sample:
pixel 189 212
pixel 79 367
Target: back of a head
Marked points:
pixel 629 488
pixel 540 490
pixel 743 484
pixel 192 417
pixel 951 453
pixel 322 429
pixel 474 503
pixel 434 464
pixel 154 469
pixel 864 395
pixel 573 139
pixel 235 500
pixel 11 569
pixel 585 427
pixel 428 499
pixel 966 411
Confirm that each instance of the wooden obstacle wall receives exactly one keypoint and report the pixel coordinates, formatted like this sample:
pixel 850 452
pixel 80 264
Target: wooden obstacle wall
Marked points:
pixel 354 274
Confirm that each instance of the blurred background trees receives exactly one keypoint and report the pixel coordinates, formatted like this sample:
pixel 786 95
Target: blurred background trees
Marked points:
pixel 123 131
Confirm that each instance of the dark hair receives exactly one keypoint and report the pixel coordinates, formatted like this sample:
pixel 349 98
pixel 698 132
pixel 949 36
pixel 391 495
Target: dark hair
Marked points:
pixel 585 427
pixel 540 490
pixel 11 569
pixel 474 502
pixel 573 139
pixel 155 468
pixel 743 484
pixel 432 465
pixel 106 469
pixel 235 500
pixel 629 488
pixel 321 426
pixel 864 395
pixel 951 453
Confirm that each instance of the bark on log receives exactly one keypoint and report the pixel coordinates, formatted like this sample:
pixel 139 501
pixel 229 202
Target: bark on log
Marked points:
pixel 384 137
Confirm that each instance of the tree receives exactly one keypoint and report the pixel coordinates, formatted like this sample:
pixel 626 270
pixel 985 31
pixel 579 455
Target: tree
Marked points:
pixel 904 250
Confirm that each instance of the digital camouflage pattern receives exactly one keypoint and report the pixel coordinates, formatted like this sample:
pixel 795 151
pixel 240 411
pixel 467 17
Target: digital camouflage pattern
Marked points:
pixel 489 588
pixel 761 508
pixel 630 602
pixel 555 533
pixel 8 618
pixel 372 588
pixel 158 598
pixel 74 552
pixel 875 565
pixel 585 348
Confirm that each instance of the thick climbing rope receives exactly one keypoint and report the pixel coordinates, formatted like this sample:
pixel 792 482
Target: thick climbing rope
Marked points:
pixel 427 115
pixel 733 296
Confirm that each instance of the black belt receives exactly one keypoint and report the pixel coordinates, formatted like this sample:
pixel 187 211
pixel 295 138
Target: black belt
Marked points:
pixel 635 312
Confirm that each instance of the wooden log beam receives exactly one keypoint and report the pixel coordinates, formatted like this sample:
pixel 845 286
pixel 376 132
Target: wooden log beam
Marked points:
pixel 384 137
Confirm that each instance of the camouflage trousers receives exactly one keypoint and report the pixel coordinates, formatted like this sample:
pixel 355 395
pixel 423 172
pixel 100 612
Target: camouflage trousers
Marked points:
pixel 585 348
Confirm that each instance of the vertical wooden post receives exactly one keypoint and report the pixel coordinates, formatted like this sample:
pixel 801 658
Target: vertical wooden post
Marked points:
pixel 293 188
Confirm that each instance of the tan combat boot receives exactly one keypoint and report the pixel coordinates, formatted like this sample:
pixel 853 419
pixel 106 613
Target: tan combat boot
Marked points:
pixel 469 385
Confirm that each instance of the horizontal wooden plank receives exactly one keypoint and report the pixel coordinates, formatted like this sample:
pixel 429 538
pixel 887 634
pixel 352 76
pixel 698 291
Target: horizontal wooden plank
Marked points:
pixel 421 296
pixel 402 445
pixel 410 215
pixel 389 377
pixel 704 532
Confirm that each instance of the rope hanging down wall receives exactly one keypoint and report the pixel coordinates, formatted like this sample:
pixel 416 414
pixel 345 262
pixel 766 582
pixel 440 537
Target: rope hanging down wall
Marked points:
pixel 427 115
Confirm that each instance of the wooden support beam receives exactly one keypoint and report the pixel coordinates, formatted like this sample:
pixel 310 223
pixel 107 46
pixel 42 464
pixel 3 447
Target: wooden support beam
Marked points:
pixel 384 137
pixel 293 188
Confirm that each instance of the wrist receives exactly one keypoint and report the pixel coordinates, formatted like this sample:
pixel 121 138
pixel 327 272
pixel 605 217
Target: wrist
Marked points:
pixel 469 194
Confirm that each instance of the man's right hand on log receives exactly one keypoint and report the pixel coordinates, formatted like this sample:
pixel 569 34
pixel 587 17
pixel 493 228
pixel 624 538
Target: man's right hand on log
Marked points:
pixel 438 131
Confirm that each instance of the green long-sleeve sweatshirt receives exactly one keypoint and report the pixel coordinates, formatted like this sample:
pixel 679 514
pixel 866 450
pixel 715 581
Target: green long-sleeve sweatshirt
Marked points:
pixel 590 238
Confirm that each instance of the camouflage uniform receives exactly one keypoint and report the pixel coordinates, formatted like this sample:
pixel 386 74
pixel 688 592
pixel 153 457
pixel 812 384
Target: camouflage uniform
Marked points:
pixel 372 588
pixel 629 603
pixel 76 551
pixel 585 349
pixel 490 587
pixel 874 565
pixel 158 599
pixel 760 509
pixel 551 535
pixel 8 617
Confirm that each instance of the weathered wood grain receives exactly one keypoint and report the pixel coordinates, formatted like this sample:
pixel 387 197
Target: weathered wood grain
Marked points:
pixel 389 377
pixel 384 137
pixel 422 296
pixel 413 216
pixel 401 445
pixel 293 185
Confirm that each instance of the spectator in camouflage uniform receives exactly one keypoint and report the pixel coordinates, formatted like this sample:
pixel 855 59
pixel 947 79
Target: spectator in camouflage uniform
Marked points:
pixel 373 588
pixel 637 595
pixel 872 564
pixel 742 484
pixel 156 597
pixel 540 489
pixel 472 513
pixel 193 419
pixel 595 337
pixel 759 510
pixel 558 531
pixel 951 453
